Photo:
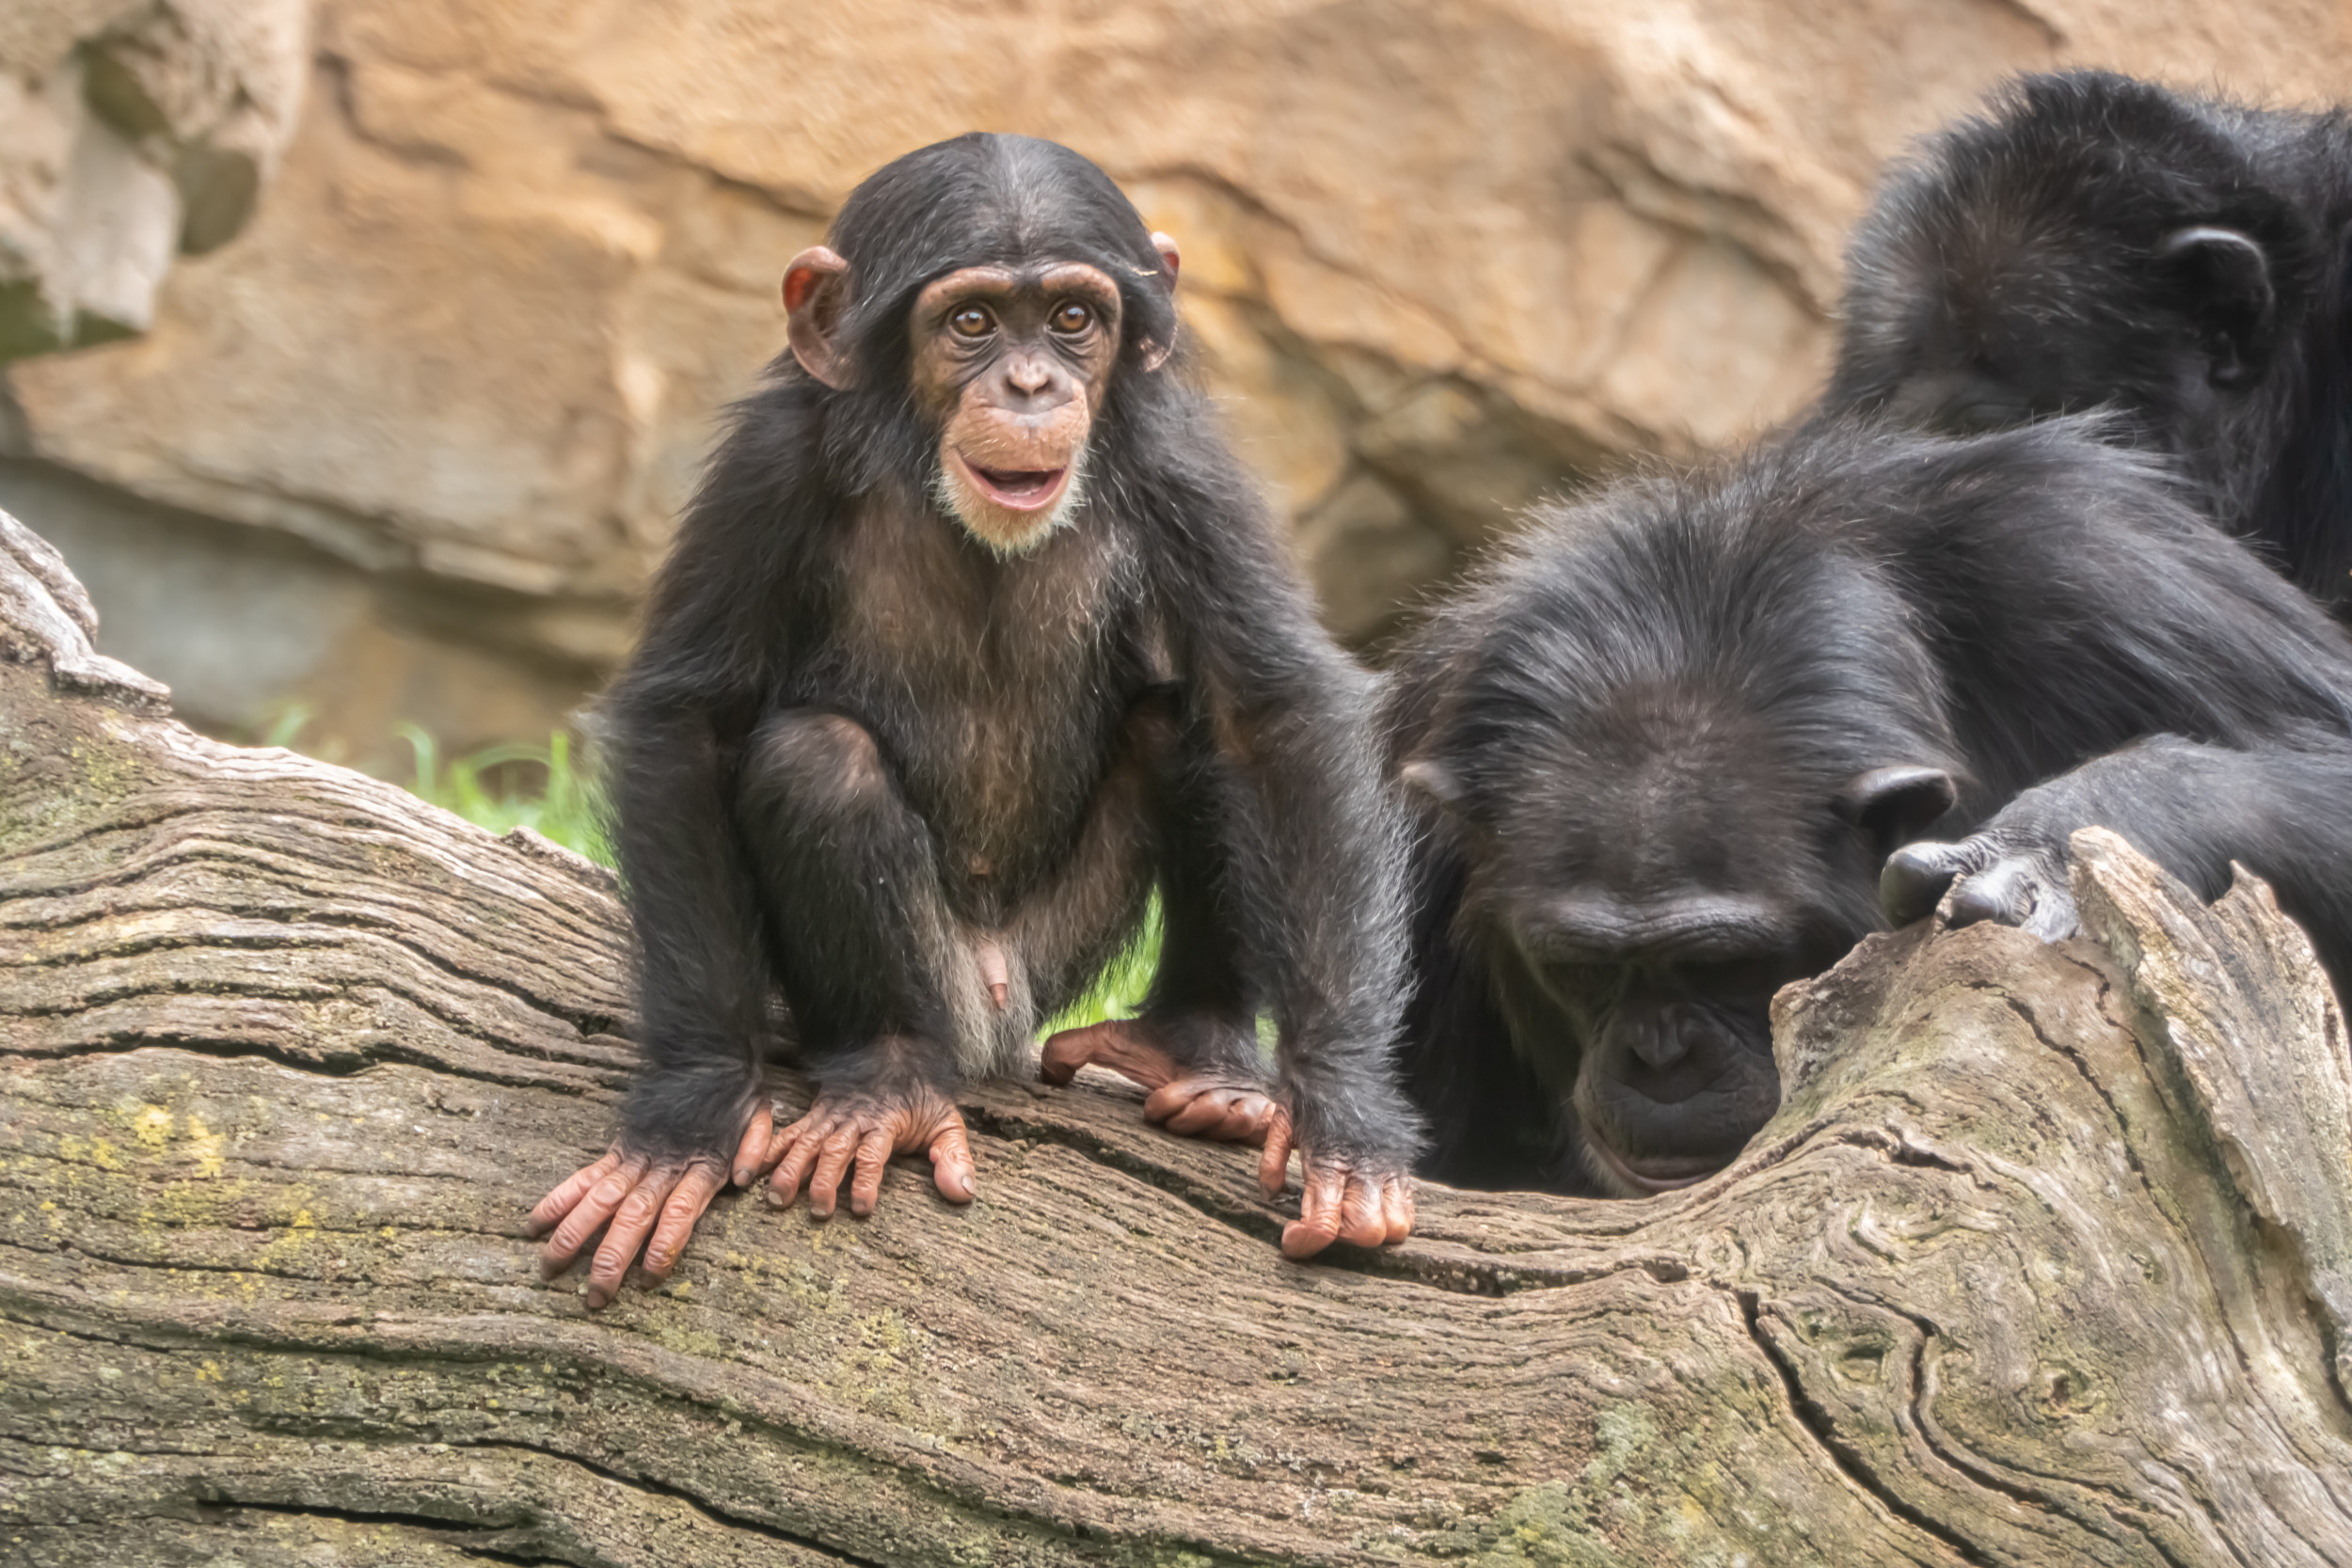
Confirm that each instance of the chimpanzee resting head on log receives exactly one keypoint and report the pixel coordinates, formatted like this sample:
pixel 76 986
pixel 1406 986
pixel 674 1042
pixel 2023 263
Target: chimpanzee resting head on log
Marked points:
pixel 974 635
pixel 2099 240
pixel 1675 749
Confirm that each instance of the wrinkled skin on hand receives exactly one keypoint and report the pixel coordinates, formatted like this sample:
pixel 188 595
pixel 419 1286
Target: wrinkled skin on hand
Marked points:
pixel 633 1198
pixel 2008 876
pixel 1342 1197
pixel 639 1202
pixel 862 1129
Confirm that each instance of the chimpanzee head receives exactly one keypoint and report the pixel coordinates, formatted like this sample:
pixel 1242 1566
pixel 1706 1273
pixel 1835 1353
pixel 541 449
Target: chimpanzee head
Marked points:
pixel 1679 742
pixel 978 305
pixel 2093 239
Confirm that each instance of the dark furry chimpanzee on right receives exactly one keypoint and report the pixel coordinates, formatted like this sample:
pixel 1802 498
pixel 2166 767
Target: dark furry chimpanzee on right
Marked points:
pixel 2099 240
pixel 1665 750
pixel 976 633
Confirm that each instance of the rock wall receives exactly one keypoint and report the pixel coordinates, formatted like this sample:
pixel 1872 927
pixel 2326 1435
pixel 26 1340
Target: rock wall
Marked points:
pixel 131 131
pixel 1440 258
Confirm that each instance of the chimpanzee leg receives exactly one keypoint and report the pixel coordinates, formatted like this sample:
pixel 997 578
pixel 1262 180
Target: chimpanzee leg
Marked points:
pixel 867 953
pixel 1066 932
pixel 1196 1045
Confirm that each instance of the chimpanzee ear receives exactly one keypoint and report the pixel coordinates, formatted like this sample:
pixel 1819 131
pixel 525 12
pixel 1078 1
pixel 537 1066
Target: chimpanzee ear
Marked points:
pixel 1894 804
pixel 815 287
pixel 1155 353
pixel 1433 781
pixel 2223 276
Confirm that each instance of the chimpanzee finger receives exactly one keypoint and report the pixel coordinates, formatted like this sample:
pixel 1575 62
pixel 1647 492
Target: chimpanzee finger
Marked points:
pixel 574 1187
pixel 1274 1165
pixel 832 1163
pixel 2018 891
pixel 1916 876
pixel 1122 1045
pixel 951 1162
pixel 873 1158
pixel 1360 1222
pixel 1322 1197
pixel 1396 1208
pixel 796 1150
pixel 588 1215
pixel 631 1222
pixel 753 1153
pixel 679 1216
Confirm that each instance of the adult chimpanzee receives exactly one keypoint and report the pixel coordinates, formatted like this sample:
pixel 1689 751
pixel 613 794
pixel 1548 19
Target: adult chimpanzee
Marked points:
pixel 1665 748
pixel 2101 239
pixel 975 633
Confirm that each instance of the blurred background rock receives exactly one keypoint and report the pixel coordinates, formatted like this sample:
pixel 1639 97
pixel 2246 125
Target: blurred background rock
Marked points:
pixel 399 441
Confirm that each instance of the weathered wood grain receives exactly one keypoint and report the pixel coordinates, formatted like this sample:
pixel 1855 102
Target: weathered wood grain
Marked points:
pixel 2047 1260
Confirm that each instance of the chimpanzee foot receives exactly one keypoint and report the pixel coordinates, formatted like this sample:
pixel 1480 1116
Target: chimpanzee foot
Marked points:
pixel 862 1129
pixel 1342 1197
pixel 1190 1104
pixel 630 1196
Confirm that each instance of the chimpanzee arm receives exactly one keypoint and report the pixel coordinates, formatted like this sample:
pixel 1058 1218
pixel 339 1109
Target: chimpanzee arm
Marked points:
pixel 704 978
pixel 712 650
pixel 702 984
pixel 1312 864
pixel 2276 807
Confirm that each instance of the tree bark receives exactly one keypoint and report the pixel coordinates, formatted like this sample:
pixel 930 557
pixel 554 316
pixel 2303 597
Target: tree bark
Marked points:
pixel 2047 1257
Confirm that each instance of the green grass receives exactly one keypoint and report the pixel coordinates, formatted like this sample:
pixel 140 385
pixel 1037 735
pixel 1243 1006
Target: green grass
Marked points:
pixel 1120 990
pixel 564 807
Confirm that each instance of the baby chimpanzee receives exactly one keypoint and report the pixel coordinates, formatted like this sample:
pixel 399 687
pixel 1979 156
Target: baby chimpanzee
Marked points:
pixel 974 635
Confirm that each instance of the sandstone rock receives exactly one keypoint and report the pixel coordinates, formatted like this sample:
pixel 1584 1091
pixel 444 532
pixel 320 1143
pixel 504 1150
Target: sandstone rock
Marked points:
pixel 131 129
pixel 1451 254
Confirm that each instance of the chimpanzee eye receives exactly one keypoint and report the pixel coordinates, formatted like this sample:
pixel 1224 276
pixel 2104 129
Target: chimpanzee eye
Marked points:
pixel 971 322
pixel 1072 317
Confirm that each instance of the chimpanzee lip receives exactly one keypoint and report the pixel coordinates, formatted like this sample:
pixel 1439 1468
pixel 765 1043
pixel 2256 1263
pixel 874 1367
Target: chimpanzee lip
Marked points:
pixel 1017 489
pixel 1661 1174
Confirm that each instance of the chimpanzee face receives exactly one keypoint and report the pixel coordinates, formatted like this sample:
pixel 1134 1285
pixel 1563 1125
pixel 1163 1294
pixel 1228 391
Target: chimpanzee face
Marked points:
pixel 1641 903
pixel 1012 364
pixel 1009 364
pixel 1655 1032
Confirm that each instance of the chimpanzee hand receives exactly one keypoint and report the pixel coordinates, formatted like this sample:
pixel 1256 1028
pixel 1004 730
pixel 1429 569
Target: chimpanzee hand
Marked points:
pixel 2010 873
pixel 1342 1197
pixel 1222 1104
pixel 637 1194
pixel 897 1114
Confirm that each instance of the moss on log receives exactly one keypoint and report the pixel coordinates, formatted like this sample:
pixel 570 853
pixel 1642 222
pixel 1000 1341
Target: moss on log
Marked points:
pixel 2047 1257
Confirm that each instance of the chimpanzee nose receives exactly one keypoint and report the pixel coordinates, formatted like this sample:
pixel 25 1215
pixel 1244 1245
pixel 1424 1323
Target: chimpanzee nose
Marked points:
pixel 1029 375
pixel 1664 1041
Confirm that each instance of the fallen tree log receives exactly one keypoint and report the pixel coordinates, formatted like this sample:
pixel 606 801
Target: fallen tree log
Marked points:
pixel 2047 1257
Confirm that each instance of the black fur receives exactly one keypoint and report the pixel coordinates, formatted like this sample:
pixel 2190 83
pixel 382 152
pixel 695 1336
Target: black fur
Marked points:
pixel 2018 266
pixel 853 739
pixel 1668 691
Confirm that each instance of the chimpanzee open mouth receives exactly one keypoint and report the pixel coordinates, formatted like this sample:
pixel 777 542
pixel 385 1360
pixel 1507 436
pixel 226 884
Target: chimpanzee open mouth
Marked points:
pixel 1022 489
pixel 1660 1173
